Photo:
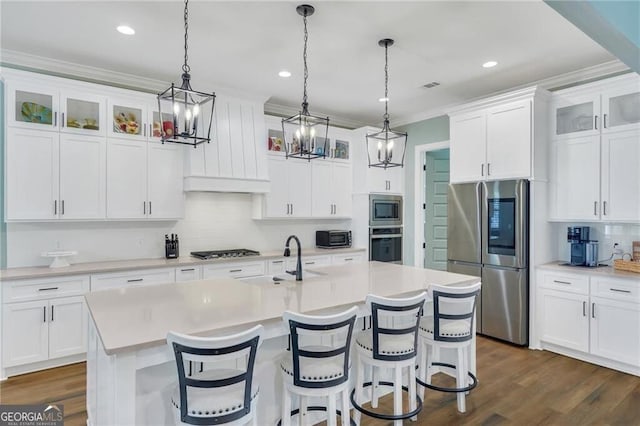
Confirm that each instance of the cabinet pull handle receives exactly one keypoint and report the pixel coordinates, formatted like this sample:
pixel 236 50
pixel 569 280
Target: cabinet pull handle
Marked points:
pixel 604 208
pixel 482 169
pixel 584 308
pixel 488 169
pixel 55 119
pixel 145 129
pixel 55 207
pixel 595 208
pixel 604 121
pixel 593 310
pixel 619 290
pixel 149 207
pixel 48 289
pixel 236 270
pixel 44 314
pixel 595 122
pixel 136 280
pixel 292 208
pixel 277 261
pixel 562 282
pixel 309 263
pixel 346 259
pixel 52 312
pixel 187 270
pixel 144 207
pixel 62 121
pixel 62 207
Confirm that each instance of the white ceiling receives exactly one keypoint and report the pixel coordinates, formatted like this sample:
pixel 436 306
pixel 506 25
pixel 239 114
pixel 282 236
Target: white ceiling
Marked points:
pixel 242 45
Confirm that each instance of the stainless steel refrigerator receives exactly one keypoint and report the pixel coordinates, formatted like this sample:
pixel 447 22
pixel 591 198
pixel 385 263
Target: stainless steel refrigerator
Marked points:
pixel 488 225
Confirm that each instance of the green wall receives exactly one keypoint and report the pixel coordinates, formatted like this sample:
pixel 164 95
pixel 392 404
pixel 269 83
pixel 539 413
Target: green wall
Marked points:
pixel 3 225
pixel 419 133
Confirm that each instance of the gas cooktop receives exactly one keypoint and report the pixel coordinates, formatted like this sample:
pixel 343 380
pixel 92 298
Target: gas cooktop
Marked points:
pixel 218 254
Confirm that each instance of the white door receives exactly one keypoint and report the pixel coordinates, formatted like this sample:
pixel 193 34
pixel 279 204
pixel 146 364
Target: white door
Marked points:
pixel 299 183
pixel 322 189
pixel 32 106
pixel 621 176
pixel 67 327
pixel 565 319
pixel 165 192
pixel 126 118
pixel 82 176
pixel 577 178
pixel 342 189
pixel 509 141
pixel 435 212
pixel 615 330
pixel 126 179
pixel 277 199
pixel 468 147
pixel 575 115
pixel 82 113
pixel 378 179
pixel 32 174
pixel 24 333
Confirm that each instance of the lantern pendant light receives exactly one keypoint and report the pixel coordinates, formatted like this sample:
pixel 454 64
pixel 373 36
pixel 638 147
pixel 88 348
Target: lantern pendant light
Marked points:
pixel 387 144
pixel 185 106
pixel 305 135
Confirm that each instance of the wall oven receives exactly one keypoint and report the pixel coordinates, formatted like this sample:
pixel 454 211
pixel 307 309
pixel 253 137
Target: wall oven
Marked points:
pixel 385 244
pixel 385 210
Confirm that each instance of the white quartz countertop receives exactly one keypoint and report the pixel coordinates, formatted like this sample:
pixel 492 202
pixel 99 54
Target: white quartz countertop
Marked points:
pixel 125 265
pixel 607 271
pixel 130 319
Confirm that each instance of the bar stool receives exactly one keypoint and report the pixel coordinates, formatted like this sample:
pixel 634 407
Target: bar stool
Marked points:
pixel 224 394
pixel 391 343
pixel 449 326
pixel 318 364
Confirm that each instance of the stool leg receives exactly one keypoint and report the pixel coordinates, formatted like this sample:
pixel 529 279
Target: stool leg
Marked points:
pixel 461 380
pixel 286 406
pixel 345 408
pixel 397 394
pixel 375 383
pixel 412 391
pixel 331 410
pixel 359 394
pixel 304 402
pixel 422 367
pixel 433 355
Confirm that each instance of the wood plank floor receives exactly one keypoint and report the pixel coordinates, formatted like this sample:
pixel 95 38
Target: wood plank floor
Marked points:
pixel 517 387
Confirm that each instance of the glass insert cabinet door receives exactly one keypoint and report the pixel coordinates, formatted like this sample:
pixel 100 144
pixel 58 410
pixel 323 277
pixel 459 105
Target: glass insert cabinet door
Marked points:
pixel 127 119
pixel 83 113
pixel 621 110
pixel 32 107
pixel 576 115
pixel 341 150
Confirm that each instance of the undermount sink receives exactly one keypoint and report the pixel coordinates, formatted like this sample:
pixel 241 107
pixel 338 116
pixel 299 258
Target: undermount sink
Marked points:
pixel 276 279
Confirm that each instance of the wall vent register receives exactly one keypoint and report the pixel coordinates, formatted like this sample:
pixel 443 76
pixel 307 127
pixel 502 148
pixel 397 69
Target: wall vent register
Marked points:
pixel 221 254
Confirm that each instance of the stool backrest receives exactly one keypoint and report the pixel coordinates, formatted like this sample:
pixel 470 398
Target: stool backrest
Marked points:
pixel 320 337
pixel 395 320
pixel 454 309
pixel 241 348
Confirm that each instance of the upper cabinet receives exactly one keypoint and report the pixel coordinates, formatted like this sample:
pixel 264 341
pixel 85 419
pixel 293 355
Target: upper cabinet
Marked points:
pixel 82 113
pixel 373 179
pixel 499 138
pixel 32 106
pixel 595 154
pixel 127 118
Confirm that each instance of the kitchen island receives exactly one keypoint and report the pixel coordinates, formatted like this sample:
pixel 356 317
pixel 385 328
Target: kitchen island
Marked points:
pixel 130 369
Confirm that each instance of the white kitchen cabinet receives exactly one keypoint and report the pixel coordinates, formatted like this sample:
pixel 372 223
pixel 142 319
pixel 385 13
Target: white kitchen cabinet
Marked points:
pixel 127 117
pixel 386 181
pixel 236 158
pixel 338 259
pixel 82 113
pixel 142 277
pixel 621 107
pixel 234 269
pixel 499 138
pixel 331 189
pixel 144 180
pixel 276 266
pixel 43 319
pixel 188 273
pixel 31 105
pixel 575 114
pixel 620 176
pixel 290 189
pixel 596 316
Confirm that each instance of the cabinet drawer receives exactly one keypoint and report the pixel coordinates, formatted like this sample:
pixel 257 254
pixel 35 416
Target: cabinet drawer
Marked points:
pixel 234 270
pixel 276 266
pixel 36 289
pixel 308 262
pixel 338 259
pixel 567 282
pixel 612 288
pixel 132 278
pixel 188 273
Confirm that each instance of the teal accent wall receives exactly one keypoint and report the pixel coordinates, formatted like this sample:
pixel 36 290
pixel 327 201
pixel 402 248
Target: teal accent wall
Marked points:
pixel 623 15
pixel 3 225
pixel 419 133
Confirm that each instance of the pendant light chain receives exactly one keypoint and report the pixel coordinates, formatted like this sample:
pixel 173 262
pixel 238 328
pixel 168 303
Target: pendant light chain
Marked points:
pixel 304 57
pixel 186 67
pixel 386 81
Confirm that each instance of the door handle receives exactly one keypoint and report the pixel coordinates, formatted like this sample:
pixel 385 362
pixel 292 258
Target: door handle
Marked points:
pixel 144 207
pixel 595 208
pixel 604 208
pixel 595 122
pixel 52 306
pixel 584 308
pixel 235 270
pixel 620 291
pixel 44 314
pixel 604 121
pixel 149 207
pixel 62 207
pixel 187 270
pixel 62 121
pixel 291 208
pixel 55 207
pixel 482 169
pixel 137 280
pixel 309 263
pixel 562 282
pixel 47 288
pixel 488 169
pixel 593 310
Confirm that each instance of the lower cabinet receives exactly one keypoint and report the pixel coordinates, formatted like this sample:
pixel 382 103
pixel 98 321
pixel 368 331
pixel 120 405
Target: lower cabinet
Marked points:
pixel 132 278
pixel 45 326
pixel 233 269
pixel 600 320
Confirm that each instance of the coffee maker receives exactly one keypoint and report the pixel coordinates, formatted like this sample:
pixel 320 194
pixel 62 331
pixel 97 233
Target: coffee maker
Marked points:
pixel 584 252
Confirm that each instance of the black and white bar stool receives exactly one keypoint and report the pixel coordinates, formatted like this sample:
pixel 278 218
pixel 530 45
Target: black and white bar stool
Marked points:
pixel 391 343
pixel 317 366
pixel 224 391
pixel 449 326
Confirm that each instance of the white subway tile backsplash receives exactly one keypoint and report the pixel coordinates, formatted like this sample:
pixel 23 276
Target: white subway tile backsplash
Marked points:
pixel 607 234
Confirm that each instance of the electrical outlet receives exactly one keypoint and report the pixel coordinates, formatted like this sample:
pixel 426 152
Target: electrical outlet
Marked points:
pixel 616 249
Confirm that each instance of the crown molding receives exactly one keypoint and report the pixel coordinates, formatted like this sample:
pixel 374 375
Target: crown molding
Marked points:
pixel 288 111
pixel 562 81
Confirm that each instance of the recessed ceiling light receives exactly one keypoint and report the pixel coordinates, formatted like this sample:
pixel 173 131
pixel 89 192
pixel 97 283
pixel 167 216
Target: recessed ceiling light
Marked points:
pixel 126 30
pixel 383 100
pixel 490 64
pixel 284 74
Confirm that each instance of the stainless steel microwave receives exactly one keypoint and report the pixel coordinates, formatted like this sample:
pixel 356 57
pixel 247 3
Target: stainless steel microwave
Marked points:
pixel 333 239
pixel 385 210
